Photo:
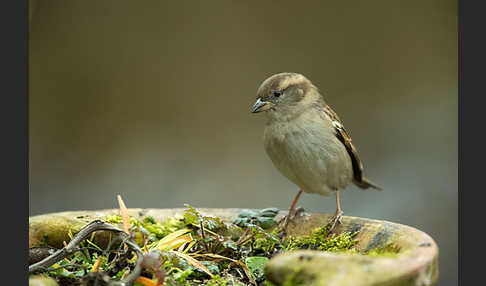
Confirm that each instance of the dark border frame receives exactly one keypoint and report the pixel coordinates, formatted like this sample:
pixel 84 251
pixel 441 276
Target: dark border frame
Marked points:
pixel 14 23
pixel 471 65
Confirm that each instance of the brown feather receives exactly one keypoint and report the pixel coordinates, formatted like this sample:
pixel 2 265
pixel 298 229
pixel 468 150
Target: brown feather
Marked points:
pixel 359 179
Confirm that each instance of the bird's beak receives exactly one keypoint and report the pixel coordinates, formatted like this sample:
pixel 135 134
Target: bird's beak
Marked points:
pixel 260 106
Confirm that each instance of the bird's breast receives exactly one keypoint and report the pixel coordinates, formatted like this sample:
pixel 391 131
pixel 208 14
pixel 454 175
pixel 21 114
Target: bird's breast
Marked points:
pixel 308 153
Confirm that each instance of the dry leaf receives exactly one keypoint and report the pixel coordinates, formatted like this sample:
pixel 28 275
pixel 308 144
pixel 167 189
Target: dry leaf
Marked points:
pixel 193 262
pixel 124 215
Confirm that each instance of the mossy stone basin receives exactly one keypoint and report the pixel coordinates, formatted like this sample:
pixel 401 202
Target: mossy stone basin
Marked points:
pixel 415 261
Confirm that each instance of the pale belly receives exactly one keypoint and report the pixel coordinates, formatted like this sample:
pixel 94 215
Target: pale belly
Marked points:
pixel 310 156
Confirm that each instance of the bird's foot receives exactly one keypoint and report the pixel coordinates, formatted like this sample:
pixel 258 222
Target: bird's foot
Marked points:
pixel 284 222
pixel 335 219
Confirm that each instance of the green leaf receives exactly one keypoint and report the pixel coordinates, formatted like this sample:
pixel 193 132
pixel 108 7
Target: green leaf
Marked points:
pixel 191 215
pixel 211 266
pixel 241 221
pixel 266 222
pixel 181 276
pixel 246 213
pixel 211 224
pixel 80 273
pixel 269 212
pixel 256 264
pixel 230 244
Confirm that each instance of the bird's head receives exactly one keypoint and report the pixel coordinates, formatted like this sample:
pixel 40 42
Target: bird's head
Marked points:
pixel 285 94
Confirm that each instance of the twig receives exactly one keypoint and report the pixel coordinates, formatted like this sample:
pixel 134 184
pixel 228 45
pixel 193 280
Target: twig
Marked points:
pixel 203 237
pixel 243 235
pixel 83 234
pixel 242 241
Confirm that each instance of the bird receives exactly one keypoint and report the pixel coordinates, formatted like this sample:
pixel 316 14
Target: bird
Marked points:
pixel 306 140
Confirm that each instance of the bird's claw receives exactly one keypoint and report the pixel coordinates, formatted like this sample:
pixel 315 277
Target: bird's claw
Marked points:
pixel 284 222
pixel 335 219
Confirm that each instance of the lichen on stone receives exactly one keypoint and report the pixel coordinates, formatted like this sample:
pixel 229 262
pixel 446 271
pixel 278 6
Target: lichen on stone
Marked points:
pixel 389 250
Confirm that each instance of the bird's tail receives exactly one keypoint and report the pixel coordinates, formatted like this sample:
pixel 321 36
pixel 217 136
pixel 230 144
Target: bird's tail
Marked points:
pixel 366 183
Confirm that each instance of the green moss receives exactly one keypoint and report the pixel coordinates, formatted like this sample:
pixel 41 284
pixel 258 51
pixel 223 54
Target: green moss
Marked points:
pixel 320 240
pixel 266 242
pixel 113 219
pixel 160 230
pixel 44 240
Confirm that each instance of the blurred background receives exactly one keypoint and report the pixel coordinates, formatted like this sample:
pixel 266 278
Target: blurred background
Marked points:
pixel 151 100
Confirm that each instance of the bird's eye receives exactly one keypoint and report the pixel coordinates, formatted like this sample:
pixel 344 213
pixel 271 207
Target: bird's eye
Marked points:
pixel 277 93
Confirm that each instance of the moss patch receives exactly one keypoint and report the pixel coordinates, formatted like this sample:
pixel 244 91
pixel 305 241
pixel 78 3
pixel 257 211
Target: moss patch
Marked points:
pixel 320 240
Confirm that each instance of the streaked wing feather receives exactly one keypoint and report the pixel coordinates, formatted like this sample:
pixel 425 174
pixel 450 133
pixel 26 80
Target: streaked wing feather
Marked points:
pixel 344 137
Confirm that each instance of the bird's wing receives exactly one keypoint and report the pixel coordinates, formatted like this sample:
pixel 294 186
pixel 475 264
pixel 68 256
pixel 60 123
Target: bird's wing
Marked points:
pixel 359 179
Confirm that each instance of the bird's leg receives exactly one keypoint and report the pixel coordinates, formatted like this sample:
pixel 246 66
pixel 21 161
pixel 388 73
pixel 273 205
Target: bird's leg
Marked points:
pixel 292 212
pixel 337 217
pixel 339 212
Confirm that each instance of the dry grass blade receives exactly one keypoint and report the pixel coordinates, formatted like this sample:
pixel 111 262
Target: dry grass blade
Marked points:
pixel 193 262
pixel 188 246
pixel 124 215
pixel 96 264
pixel 174 234
pixel 175 243
pixel 172 239
pixel 213 255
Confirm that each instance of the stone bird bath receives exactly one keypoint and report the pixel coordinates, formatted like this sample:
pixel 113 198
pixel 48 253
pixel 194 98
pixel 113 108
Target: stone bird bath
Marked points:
pixel 415 262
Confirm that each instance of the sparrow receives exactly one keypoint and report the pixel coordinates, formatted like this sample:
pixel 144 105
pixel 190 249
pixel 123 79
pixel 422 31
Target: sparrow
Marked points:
pixel 306 140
